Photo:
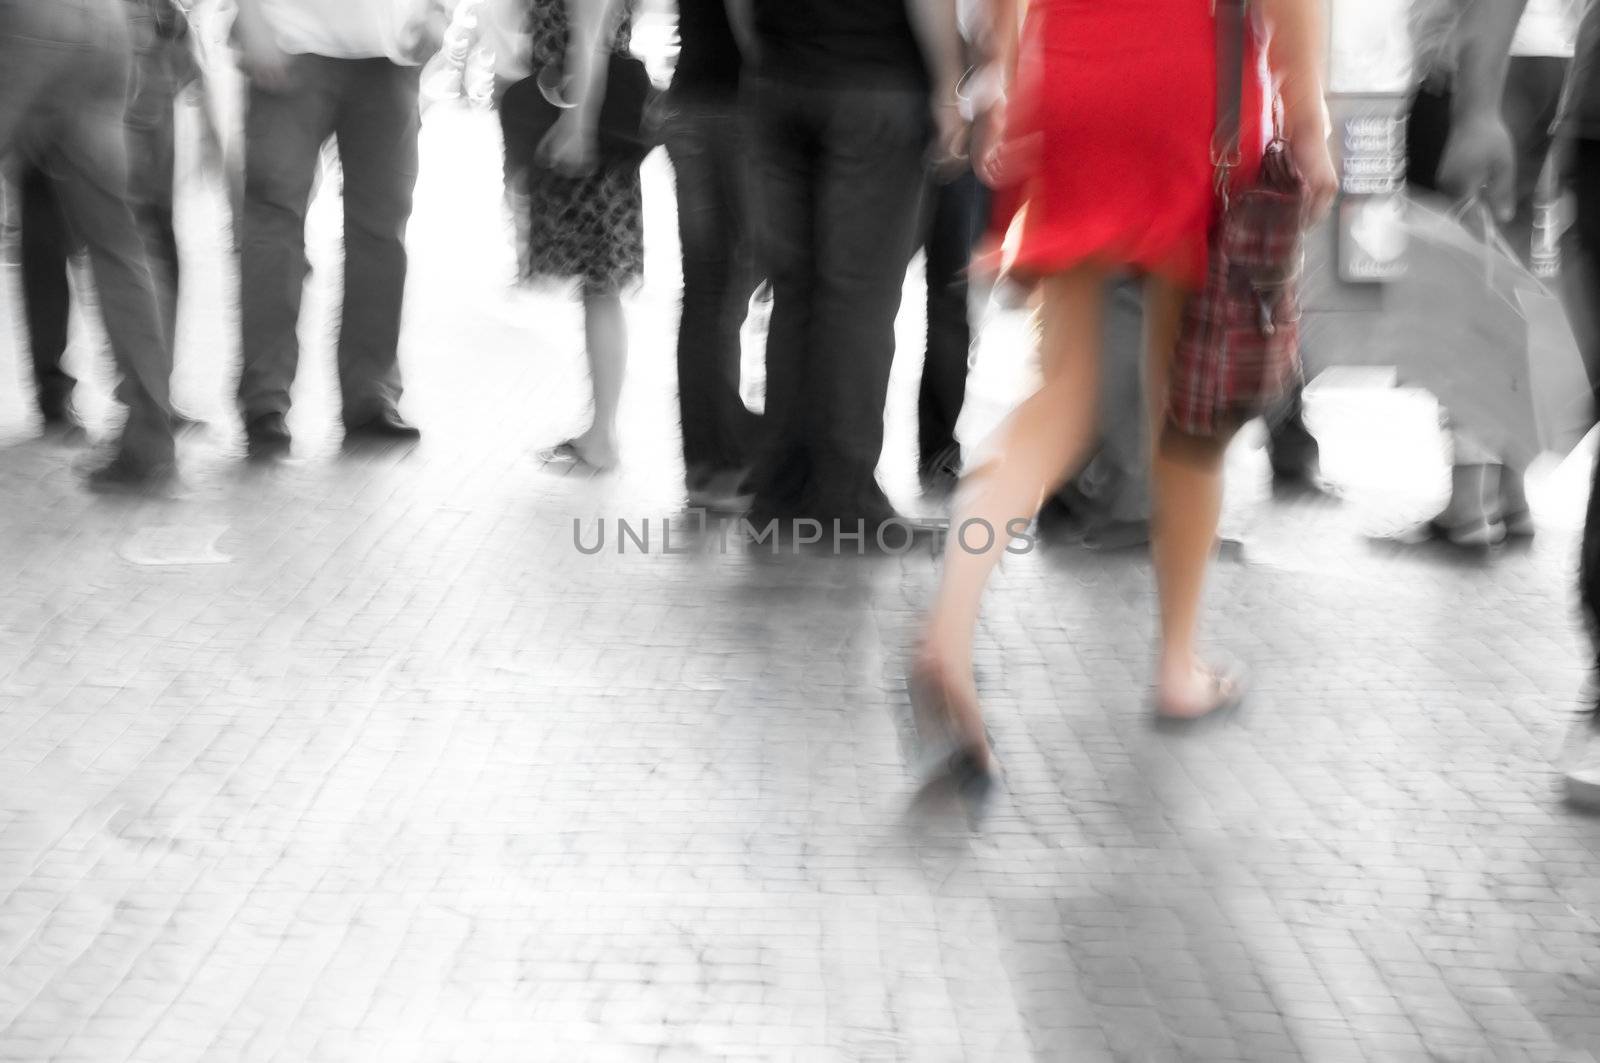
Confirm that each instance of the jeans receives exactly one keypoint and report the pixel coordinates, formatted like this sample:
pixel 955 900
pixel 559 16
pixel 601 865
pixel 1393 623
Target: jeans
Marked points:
pixel 64 75
pixel 48 242
pixel 370 107
pixel 957 213
pixel 706 141
pixel 152 157
pixel 1115 484
pixel 840 176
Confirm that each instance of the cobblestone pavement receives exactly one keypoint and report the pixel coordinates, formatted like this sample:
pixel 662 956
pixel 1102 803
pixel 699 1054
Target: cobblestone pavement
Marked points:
pixel 361 759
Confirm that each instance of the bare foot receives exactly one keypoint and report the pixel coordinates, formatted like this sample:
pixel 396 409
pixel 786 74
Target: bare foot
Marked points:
pixel 598 449
pixel 1197 691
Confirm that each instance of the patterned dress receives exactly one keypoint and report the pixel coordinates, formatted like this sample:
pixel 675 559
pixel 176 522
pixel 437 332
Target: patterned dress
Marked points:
pixel 587 228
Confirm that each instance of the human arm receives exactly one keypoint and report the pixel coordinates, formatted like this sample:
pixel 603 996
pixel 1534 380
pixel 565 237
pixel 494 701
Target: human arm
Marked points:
pixel 1298 57
pixel 1479 157
pixel 938 31
pixel 425 33
pixel 571 146
pixel 266 64
pixel 999 38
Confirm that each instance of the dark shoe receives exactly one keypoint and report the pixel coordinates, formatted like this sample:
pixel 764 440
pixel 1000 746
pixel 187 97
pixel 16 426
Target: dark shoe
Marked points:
pixel 267 437
pixel 122 475
pixel 62 423
pixel 966 767
pixel 1114 535
pixel 940 474
pixel 1302 479
pixel 388 427
pixel 720 493
pixel 1519 524
pixel 57 413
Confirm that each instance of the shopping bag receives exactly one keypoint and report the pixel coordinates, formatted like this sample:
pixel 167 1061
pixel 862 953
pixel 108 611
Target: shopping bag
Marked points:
pixel 1558 382
pixel 1470 323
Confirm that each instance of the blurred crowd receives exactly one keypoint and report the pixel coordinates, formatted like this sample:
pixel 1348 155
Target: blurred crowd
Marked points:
pixel 1057 148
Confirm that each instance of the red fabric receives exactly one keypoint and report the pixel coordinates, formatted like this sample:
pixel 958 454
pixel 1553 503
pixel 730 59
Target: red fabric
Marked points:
pixel 1108 139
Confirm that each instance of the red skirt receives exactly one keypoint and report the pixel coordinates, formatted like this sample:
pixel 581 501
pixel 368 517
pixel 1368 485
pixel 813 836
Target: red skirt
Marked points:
pixel 1108 138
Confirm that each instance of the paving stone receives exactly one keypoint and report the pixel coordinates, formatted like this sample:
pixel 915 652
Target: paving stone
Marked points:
pixel 373 764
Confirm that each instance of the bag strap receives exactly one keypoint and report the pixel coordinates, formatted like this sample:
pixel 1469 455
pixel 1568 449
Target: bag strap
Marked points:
pixel 1230 19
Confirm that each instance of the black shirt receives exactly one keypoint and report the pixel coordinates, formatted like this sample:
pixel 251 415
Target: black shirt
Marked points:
pixel 708 54
pixel 840 43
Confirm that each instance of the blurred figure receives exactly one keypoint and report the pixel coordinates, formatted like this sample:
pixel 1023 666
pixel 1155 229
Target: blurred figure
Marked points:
pixel 46 246
pixel 957 214
pixel 64 74
pixel 318 70
pixel 1481 157
pixel 1107 505
pixel 164 67
pixel 711 157
pixel 1488 502
pixel 1113 146
pixel 502 25
pixel 502 29
pixel 841 95
pixel 585 216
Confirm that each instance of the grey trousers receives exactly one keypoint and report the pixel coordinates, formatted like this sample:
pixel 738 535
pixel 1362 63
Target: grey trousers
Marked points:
pixel 1115 484
pixel 370 107
pixel 64 77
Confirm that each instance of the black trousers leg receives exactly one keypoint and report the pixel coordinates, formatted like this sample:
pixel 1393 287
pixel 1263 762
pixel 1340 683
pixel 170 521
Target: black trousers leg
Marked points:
pixel 1585 268
pixel 46 295
pixel 955 220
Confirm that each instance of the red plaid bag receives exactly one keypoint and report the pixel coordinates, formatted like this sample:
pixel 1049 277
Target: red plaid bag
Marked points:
pixel 1239 346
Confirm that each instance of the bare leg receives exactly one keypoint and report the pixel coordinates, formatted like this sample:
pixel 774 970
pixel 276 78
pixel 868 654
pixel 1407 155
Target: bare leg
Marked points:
pixel 606 336
pixel 1031 455
pixel 1187 483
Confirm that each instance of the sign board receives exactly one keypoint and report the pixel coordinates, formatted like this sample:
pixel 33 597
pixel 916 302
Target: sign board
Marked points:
pixel 1372 149
pixel 1372 240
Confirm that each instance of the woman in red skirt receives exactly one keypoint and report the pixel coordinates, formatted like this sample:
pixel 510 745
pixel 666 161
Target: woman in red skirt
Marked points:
pixel 1107 127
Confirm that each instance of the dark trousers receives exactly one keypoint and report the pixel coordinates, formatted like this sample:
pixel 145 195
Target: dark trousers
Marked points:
pixel 840 177
pixel 1114 485
pixel 64 75
pixel 48 242
pixel 957 210
pixel 1582 265
pixel 370 107
pixel 46 293
pixel 707 143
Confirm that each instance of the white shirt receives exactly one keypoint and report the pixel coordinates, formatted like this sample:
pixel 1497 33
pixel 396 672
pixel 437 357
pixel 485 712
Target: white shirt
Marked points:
pixel 1548 28
pixel 501 27
pixel 347 29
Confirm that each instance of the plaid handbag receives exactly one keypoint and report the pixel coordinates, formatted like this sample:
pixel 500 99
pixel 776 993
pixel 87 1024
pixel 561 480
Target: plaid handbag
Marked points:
pixel 1239 346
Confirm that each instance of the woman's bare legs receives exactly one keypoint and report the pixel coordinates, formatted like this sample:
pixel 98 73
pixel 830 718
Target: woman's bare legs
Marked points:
pixel 1187 483
pixel 1028 457
pixel 606 339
